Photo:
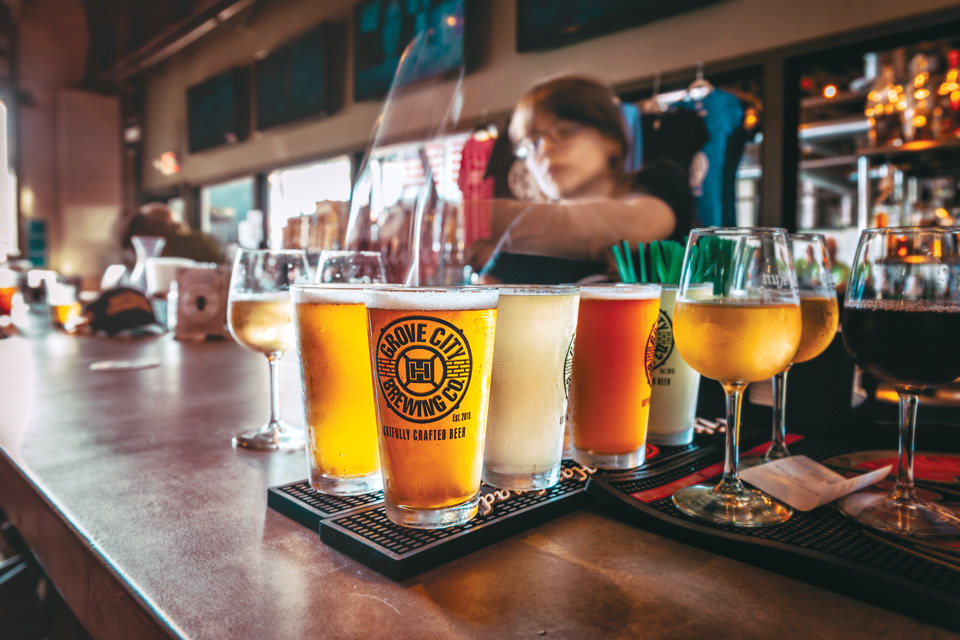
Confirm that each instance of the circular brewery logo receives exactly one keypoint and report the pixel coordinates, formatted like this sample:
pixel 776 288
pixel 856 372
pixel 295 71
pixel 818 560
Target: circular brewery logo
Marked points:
pixel 664 340
pixel 568 367
pixel 651 350
pixel 423 367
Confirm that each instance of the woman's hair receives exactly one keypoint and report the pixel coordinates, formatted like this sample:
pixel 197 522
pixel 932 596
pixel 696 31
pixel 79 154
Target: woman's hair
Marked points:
pixel 153 219
pixel 577 99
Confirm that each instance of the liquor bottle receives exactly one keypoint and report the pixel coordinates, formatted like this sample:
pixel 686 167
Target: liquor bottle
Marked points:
pixel 948 99
pixel 885 102
pixel 917 118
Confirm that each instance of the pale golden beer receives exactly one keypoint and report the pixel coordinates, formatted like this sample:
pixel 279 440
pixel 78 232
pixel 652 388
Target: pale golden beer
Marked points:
pixel 331 329
pixel 819 316
pixel 433 353
pixel 262 322
pixel 736 343
pixel 528 394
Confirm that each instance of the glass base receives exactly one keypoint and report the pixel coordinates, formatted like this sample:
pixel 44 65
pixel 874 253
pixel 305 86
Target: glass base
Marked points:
pixel 734 504
pixel 350 486
pixel 894 514
pixel 522 481
pixel 275 436
pixel 432 518
pixel 629 460
pixel 671 439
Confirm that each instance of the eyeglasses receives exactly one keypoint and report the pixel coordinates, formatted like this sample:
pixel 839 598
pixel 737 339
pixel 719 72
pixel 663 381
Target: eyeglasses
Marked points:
pixel 559 134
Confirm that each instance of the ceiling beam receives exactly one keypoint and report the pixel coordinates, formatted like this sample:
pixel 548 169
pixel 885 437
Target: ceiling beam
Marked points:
pixel 169 41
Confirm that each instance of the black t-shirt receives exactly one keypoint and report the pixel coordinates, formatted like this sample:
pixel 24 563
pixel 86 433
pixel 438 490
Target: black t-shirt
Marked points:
pixel 676 136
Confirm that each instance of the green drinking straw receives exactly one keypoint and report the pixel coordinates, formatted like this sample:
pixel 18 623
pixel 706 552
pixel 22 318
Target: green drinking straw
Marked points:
pixel 621 265
pixel 642 256
pixel 629 260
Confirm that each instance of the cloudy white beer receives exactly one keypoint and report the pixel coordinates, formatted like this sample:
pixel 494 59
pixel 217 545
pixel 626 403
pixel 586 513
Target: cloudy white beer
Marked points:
pixel 528 394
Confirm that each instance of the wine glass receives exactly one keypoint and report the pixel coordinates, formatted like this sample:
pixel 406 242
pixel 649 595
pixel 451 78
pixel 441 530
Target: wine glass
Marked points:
pixel 819 315
pixel 742 329
pixel 259 315
pixel 355 267
pixel 901 322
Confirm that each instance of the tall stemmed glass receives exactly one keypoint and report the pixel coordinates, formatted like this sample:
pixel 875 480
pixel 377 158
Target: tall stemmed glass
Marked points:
pixel 259 315
pixel 354 267
pixel 742 329
pixel 819 315
pixel 901 322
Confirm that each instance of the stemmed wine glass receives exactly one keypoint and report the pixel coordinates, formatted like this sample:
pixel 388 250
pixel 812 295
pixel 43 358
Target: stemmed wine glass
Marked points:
pixel 354 267
pixel 742 329
pixel 901 322
pixel 259 315
pixel 819 315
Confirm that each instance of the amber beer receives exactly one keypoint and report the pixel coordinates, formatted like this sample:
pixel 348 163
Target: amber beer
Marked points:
pixel 432 351
pixel 262 322
pixel 331 329
pixel 610 388
pixel 819 316
pixel 736 343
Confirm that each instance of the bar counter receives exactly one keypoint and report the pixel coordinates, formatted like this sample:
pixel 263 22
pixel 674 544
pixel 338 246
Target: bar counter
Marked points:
pixel 126 487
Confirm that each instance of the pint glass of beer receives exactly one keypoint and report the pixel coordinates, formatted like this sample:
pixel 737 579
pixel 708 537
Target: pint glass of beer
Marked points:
pixel 610 388
pixel 432 353
pixel 331 329
pixel 528 395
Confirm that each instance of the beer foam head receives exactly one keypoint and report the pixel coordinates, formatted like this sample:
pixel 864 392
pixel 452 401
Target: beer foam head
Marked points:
pixel 620 292
pixel 329 293
pixel 432 299
pixel 537 290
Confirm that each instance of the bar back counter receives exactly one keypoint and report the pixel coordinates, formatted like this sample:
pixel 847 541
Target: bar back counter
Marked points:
pixel 126 488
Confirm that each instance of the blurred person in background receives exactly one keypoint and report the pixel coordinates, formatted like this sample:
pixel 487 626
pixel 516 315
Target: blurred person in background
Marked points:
pixel 156 219
pixel 570 133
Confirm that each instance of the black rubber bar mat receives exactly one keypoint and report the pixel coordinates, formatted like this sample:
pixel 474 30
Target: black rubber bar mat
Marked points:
pixel 299 502
pixel 358 526
pixel 823 546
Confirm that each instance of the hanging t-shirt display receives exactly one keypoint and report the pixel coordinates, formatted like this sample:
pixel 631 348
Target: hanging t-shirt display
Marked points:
pixel 633 124
pixel 723 116
pixel 677 136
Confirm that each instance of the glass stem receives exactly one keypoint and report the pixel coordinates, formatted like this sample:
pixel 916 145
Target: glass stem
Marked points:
pixel 274 361
pixel 731 464
pixel 908 425
pixel 778 447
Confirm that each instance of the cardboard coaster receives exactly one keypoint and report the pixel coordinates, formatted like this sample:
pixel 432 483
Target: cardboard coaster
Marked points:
pixel 822 546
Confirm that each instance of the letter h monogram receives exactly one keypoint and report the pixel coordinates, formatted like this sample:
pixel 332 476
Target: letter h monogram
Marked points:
pixel 419 371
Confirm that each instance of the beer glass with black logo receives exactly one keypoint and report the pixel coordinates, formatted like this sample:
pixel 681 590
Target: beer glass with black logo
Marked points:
pixel 260 318
pixel 612 362
pixel 335 374
pixel 744 329
pixel 432 356
pixel 528 394
pixel 901 322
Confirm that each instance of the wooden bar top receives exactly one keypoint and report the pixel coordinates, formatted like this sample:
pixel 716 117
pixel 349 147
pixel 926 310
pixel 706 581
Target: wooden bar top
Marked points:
pixel 126 487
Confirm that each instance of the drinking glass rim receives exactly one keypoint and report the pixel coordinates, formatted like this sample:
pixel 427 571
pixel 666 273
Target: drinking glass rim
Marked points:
pixel 621 291
pixel 905 231
pixel 808 235
pixel 245 250
pixel 348 252
pixel 739 231
pixel 486 288
pixel 337 285
pixel 537 289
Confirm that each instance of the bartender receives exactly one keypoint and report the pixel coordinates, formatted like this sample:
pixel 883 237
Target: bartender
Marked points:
pixel 570 133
